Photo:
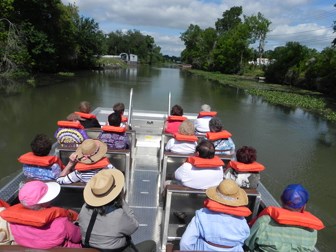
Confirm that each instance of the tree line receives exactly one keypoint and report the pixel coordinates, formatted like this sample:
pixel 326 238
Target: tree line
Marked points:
pixel 48 36
pixel 226 48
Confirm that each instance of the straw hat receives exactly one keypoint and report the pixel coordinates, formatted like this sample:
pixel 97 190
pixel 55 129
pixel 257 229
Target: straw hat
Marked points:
pixel 104 187
pixel 34 193
pixel 91 151
pixel 228 193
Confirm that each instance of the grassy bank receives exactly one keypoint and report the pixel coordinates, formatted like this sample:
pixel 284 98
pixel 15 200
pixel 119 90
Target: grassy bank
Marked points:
pixel 275 93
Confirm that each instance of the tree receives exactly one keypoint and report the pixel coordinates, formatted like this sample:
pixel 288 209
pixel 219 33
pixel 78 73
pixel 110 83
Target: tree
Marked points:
pixel 229 20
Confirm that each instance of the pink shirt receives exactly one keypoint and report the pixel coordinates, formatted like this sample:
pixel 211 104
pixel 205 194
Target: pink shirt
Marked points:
pixel 59 233
pixel 172 127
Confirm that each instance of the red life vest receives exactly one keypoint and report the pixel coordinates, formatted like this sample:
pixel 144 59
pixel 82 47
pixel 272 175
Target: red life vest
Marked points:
pixel 241 167
pixel 221 208
pixel 114 129
pixel 70 124
pixel 291 218
pixel 85 115
pixel 213 136
pixel 124 119
pixel 205 162
pixel 205 113
pixel 37 218
pixel 186 138
pixel 102 163
pixel 44 161
pixel 4 204
pixel 176 118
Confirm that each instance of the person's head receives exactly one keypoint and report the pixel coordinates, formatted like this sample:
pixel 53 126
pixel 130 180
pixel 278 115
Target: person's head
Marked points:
pixel 246 155
pixel 294 197
pixel 176 110
pixel 84 107
pixel 104 188
pixel 206 108
pixel 186 128
pixel 119 108
pixel 228 193
pixel 114 119
pixel 215 125
pixel 38 194
pixel 205 149
pixel 41 145
pixel 91 151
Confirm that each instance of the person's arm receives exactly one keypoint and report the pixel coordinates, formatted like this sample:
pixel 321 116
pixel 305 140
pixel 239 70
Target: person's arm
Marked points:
pixel 190 236
pixel 181 171
pixel 255 232
pixel 72 231
pixel 70 178
pixel 71 164
pixel 170 144
pixel 129 222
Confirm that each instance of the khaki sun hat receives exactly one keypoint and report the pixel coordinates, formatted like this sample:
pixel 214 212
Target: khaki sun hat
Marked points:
pixel 104 187
pixel 228 193
pixel 91 151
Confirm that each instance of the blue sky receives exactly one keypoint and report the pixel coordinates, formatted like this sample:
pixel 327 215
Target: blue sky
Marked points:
pixel 306 21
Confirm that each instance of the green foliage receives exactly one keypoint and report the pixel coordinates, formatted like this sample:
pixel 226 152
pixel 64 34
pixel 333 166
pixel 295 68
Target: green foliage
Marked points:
pixel 230 19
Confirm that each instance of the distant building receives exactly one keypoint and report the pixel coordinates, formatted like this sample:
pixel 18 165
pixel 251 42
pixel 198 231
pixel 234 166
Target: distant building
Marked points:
pixel 260 62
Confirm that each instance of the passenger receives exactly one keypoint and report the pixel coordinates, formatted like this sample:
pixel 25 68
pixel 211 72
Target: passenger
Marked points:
pixel 106 221
pixel 202 170
pixel 245 171
pixel 87 161
pixel 70 132
pixel 38 164
pixel 203 118
pixel 175 119
pixel 119 107
pixel 113 135
pixel 220 138
pixel 36 224
pixel 220 225
pixel 185 141
pixel 6 237
pixel 87 119
pixel 286 228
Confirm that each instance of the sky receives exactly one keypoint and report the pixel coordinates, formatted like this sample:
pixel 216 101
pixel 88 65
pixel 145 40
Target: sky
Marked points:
pixel 309 22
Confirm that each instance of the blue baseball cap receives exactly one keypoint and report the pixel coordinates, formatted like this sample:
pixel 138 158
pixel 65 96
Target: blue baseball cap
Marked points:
pixel 295 196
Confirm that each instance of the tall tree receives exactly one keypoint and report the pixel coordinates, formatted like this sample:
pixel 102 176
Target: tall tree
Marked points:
pixel 229 20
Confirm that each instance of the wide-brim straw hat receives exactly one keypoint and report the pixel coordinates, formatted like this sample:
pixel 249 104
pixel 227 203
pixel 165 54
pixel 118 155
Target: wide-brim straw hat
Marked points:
pixel 228 193
pixel 104 187
pixel 91 151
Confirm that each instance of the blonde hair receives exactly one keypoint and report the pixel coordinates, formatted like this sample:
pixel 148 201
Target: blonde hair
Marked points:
pixel 187 128
pixel 84 107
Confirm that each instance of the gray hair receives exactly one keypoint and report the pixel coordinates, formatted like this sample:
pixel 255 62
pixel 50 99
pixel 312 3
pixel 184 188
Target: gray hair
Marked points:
pixel 215 125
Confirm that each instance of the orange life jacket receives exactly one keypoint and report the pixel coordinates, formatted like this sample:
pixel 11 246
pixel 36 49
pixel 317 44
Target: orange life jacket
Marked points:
pixel 287 217
pixel 44 161
pixel 241 167
pixel 176 118
pixel 213 136
pixel 205 162
pixel 187 138
pixel 205 113
pixel 217 207
pixel 113 129
pixel 4 204
pixel 85 115
pixel 70 124
pixel 102 163
pixel 20 215
pixel 124 119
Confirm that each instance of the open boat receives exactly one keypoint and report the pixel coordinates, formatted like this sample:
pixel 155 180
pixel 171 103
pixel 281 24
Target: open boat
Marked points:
pixel 145 166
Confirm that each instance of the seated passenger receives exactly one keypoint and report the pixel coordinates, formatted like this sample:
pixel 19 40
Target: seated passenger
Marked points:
pixel 220 138
pixel 35 224
pixel 6 237
pixel 203 118
pixel 220 225
pixel 70 132
pixel 87 161
pixel 87 119
pixel 245 171
pixel 185 141
pixel 175 119
pixel 119 108
pixel 38 164
pixel 286 228
pixel 113 135
pixel 113 221
pixel 202 170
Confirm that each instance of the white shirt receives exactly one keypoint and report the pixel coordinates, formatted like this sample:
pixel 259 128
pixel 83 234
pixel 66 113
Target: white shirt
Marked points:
pixel 181 147
pixel 199 178
pixel 202 124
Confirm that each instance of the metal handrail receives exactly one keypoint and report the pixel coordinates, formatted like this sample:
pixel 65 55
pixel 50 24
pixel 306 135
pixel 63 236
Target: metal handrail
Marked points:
pixel 169 103
pixel 129 120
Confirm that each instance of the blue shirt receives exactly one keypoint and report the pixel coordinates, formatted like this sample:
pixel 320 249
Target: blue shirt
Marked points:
pixel 42 173
pixel 218 228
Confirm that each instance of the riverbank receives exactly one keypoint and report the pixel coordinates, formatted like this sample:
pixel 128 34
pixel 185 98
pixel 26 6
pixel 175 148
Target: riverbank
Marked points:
pixel 277 94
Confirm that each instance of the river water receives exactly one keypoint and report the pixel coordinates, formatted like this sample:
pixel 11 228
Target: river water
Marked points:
pixel 295 146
